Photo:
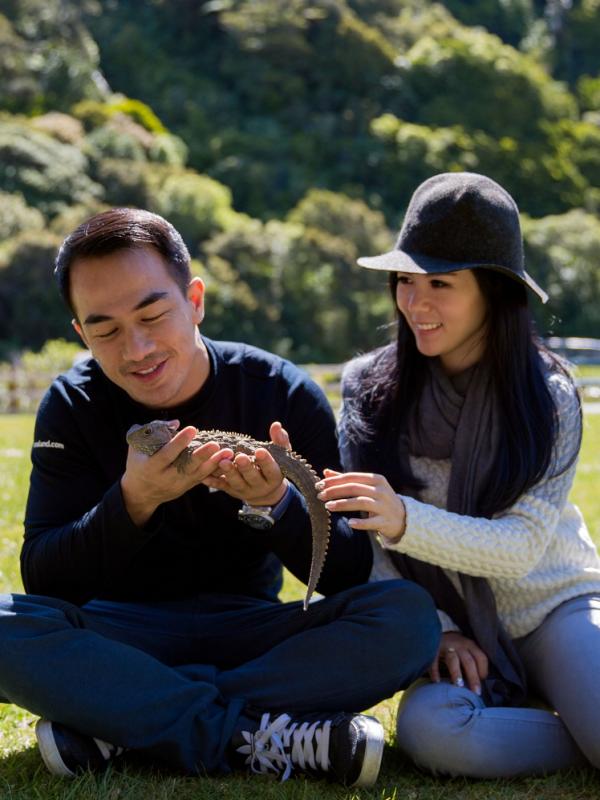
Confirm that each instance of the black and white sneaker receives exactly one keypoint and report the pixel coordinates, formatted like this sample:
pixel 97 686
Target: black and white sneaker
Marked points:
pixel 66 752
pixel 341 747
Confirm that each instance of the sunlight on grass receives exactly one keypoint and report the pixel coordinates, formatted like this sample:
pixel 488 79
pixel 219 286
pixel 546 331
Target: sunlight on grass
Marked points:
pixel 586 489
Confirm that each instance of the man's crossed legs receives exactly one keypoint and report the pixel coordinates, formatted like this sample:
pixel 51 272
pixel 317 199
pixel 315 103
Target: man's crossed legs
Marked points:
pixel 218 682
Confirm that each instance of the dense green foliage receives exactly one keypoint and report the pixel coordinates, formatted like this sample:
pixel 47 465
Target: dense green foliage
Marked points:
pixel 283 139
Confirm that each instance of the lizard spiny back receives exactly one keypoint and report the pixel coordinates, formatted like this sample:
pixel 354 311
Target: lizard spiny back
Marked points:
pixel 151 437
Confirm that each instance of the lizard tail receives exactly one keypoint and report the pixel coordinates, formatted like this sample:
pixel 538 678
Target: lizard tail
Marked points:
pixel 303 476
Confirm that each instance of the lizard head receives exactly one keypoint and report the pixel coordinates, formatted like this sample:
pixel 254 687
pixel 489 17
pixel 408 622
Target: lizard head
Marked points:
pixel 152 436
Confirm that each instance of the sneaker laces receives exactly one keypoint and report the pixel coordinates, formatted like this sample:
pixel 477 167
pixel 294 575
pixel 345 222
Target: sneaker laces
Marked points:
pixel 279 746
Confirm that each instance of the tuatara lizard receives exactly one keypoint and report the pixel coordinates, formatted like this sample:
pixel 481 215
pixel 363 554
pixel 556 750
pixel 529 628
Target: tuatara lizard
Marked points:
pixel 151 437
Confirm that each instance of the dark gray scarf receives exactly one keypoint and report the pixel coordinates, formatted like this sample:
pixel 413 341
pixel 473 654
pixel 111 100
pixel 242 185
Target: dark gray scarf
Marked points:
pixel 457 418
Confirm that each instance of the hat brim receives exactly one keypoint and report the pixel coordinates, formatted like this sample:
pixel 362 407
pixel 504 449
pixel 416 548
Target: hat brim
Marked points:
pixel 401 261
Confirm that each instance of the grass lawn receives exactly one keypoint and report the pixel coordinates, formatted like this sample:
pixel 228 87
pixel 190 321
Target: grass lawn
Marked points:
pixel 22 776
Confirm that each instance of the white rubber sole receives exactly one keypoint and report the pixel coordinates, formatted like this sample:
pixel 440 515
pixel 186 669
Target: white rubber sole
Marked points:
pixel 373 753
pixel 49 751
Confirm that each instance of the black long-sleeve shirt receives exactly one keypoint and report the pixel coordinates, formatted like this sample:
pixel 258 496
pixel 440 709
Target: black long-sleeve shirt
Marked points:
pixel 80 542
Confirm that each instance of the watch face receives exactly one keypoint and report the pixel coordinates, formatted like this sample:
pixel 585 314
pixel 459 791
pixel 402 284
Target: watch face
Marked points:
pixel 261 522
pixel 258 521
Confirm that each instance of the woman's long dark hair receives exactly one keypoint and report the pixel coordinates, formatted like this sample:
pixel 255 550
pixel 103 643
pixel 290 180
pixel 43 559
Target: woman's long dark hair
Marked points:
pixel 382 403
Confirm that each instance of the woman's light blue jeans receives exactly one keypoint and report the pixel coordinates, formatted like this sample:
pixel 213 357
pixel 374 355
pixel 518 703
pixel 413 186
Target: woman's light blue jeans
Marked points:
pixel 171 679
pixel 450 731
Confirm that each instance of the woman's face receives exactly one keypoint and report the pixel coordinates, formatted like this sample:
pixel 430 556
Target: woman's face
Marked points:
pixel 447 315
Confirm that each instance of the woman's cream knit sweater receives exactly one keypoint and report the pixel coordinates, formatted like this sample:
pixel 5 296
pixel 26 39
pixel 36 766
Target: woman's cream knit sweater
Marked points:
pixel 536 554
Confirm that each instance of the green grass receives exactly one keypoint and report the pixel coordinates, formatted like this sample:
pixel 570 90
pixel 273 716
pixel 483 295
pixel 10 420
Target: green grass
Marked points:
pixel 22 777
pixel 588 370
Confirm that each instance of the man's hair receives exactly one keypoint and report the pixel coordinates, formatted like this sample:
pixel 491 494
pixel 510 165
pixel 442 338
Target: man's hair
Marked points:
pixel 122 229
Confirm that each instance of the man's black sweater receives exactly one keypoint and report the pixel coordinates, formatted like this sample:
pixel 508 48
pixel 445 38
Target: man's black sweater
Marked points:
pixel 80 542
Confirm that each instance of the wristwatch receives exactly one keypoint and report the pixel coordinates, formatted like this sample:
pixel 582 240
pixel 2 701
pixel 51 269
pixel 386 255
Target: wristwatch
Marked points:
pixel 258 517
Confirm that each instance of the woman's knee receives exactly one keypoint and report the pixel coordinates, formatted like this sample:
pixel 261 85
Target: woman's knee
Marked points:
pixel 449 731
pixel 434 726
pixel 418 729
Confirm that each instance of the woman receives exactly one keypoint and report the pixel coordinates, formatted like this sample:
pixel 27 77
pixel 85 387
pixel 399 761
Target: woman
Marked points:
pixel 476 427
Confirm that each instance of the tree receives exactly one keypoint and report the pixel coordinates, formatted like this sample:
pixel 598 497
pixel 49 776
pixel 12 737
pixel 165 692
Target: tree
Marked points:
pixel 50 175
pixel 575 28
pixel 563 253
pixel 31 310
pixel 511 20
pixel 493 87
pixel 295 287
pixel 17 216
pixel 48 60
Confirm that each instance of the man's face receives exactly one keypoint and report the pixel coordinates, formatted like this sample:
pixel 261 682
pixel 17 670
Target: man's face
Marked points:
pixel 140 328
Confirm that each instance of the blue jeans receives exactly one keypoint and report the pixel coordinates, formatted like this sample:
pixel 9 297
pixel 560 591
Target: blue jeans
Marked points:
pixel 171 679
pixel 450 731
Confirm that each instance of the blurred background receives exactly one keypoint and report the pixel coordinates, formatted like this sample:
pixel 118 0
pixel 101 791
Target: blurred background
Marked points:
pixel 284 139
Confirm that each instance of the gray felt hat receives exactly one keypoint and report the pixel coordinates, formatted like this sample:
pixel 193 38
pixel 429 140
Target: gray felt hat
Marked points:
pixel 459 220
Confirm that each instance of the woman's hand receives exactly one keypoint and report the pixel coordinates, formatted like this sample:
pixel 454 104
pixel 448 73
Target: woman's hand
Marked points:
pixel 463 659
pixel 364 491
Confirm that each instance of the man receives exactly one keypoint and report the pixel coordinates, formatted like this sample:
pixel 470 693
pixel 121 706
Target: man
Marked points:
pixel 151 621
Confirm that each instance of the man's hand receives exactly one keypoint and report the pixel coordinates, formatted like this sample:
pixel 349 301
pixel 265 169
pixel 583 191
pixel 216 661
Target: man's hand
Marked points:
pixel 256 481
pixel 149 481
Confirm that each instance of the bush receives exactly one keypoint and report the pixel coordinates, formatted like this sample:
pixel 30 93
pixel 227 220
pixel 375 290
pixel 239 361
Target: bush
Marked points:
pixel 332 308
pixel 18 87
pixel 56 356
pixel 94 113
pixel 125 183
pixel 139 112
pixel 24 381
pixel 31 310
pixel 464 72
pixel 17 216
pixel 50 175
pixel 47 58
pixel 121 137
pixel 339 215
pixel 509 19
pixel 563 253
pixel 196 205
pixel 66 222
pixel 61 126
pixel 294 289
pixel 544 177
pixel 168 149
pixel 91 113
pixel 241 268
pixel 115 140
pixel 588 91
